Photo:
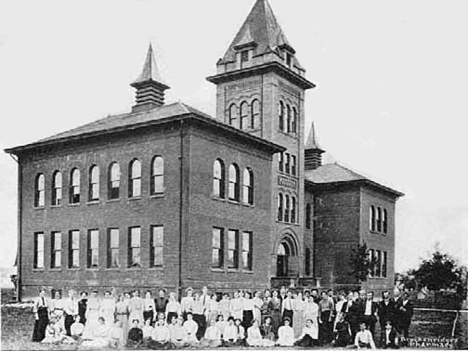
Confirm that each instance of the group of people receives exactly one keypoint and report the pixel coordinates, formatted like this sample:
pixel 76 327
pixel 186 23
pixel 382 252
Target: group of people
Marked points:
pixel 200 319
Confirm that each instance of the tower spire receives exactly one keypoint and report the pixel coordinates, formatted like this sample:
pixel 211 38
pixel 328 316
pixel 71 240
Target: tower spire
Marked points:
pixel 312 151
pixel 149 86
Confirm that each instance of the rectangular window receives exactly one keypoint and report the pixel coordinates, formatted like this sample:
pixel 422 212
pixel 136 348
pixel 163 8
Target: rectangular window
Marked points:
pixel 293 165
pixel 371 258
pixel 233 248
pixel 217 259
pixel 38 250
pixel 247 251
pixel 74 249
pixel 245 56
pixel 56 244
pixel 113 248
pixel 287 163
pixel 93 248
pixel 281 162
pixel 378 258
pixel 384 264
pixel 157 244
pixel 134 247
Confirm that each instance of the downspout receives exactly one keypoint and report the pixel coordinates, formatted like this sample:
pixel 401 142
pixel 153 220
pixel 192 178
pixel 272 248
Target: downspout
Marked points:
pixel 20 212
pixel 181 205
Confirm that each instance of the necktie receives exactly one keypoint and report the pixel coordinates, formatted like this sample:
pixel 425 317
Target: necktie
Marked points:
pixel 43 301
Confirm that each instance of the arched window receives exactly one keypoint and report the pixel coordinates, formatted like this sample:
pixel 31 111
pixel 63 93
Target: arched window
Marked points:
pixel 293 210
pixel 39 191
pixel 244 116
pixel 294 121
pixel 74 186
pixel 286 208
pixel 288 119
pixel 93 183
pixel 281 116
pixel 255 120
pixel 233 118
pixel 233 182
pixel 218 178
pixel 57 189
pixel 248 186
pixel 134 179
pixel 372 218
pixel 379 219
pixel 114 181
pixel 385 221
pixel 280 207
pixel 307 262
pixel 308 216
pixel 157 175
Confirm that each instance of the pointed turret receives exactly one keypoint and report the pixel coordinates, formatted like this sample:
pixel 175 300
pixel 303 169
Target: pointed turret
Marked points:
pixel 312 151
pixel 149 86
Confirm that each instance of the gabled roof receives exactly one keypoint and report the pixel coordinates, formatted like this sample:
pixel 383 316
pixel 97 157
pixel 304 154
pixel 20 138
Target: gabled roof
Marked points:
pixel 261 29
pixel 334 174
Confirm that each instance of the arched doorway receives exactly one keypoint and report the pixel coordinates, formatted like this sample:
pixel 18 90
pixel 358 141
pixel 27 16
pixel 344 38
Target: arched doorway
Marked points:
pixel 285 254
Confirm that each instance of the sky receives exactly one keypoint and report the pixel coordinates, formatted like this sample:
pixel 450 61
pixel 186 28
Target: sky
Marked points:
pixel 390 100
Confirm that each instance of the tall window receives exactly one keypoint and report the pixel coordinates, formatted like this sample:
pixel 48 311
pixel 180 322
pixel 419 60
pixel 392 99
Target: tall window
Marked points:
pixel 244 116
pixel 281 162
pixel 217 244
pixel 134 247
pixel 94 183
pixel 134 181
pixel 255 118
pixel 287 164
pixel 294 121
pixel 293 210
pixel 281 116
pixel 384 264
pixel 372 259
pixel 293 165
pixel 233 118
pixel 378 261
pixel 286 208
pixel 74 186
pixel 39 250
pixel 157 244
pixel 385 221
pixel 218 179
pixel 280 207
pixel 372 218
pixel 307 262
pixel 379 219
pixel 157 175
pixel 288 119
pixel 247 251
pixel 233 248
pixel 56 244
pixel 233 182
pixel 248 186
pixel 93 248
pixel 57 189
pixel 74 249
pixel 113 248
pixel 39 191
pixel 308 216
pixel 114 181
pixel 244 55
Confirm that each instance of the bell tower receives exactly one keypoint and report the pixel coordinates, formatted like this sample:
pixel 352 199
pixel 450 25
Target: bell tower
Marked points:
pixel 260 89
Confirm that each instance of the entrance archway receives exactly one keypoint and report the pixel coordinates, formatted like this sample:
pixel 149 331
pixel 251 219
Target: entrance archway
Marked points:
pixel 285 254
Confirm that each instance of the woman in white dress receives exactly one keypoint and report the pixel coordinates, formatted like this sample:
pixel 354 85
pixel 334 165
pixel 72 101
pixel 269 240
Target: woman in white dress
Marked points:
pixel 57 307
pixel 258 303
pixel 298 314
pixel 135 308
pixel 235 306
pixel 99 337
pixel 107 309
pixel 224 306
pixel 254 336
pixel 212 310
pixel 311 312
pixel 286 334
pixel 92 314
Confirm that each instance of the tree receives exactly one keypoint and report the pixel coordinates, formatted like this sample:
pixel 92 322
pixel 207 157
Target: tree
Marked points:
pixel 362 265
pixel 441 272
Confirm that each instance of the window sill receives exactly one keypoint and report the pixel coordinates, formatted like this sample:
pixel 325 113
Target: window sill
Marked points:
pixel 156 268
pixel 378 278
pixel 217 270
pixel 247 271
pixel 55 206
pixel 39 207
pixel 216 198
pixel 234 202
pixel 157 196
pixel 291 135
pixel 377 233
pixel 92 269
pixel 113 200
pixel 233 270
pixel 75 204
pixel 93 202
pixel 284 174
pixel 38 269
pixel 248 205
pixel 56 269
pixel 134 198
pixel 115 269
pixel 134 268
pixel 73 268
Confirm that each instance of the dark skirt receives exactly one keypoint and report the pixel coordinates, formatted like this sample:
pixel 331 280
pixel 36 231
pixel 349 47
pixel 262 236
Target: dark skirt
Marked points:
pixel 40 324
pixel 247 317
pixel 201 321
pixel 306 341
pixel 288 314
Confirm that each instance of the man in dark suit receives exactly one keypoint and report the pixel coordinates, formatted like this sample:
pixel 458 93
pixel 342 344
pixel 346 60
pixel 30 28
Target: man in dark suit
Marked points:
pixel 161 302
pixel 387 310
pixel 404 314
pixel 351 310
pixel 370 312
